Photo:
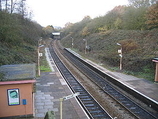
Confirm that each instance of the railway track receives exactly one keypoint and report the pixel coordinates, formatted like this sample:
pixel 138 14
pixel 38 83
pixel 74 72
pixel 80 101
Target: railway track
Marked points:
pixel 130 105
pixel 91 106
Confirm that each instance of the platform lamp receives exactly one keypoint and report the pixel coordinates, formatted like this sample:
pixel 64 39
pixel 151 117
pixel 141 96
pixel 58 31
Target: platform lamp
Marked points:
pixel 120 54
pixel 38 55
pixel 72 42
pixel 156 70
pixel 85 45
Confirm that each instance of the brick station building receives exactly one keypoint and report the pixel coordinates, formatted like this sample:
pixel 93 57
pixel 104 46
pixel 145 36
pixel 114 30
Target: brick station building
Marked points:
pixel 17 90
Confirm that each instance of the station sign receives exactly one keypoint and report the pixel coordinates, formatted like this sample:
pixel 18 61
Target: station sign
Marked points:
pixel 71 96
pixel 40 54
pixel 119 51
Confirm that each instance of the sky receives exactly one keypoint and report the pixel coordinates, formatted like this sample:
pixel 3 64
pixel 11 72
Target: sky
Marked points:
pixel 60 12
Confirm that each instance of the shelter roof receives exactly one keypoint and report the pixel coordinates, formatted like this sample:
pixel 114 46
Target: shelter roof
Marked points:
pixel 17 72
pixel 156 58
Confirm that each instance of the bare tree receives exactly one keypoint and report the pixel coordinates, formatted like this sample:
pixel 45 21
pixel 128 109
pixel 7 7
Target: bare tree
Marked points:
pixel 142 3
pixel 13 5
pixel 0 5
pixel 6 5
pixel 21 7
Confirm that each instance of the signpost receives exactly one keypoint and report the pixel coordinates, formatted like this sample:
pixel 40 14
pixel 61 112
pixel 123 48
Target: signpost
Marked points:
pixel 120 54
pixel 40 54
pixel 66 98
pixel 71 96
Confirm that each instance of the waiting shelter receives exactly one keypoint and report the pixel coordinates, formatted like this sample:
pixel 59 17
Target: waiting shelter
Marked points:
pixel 17 90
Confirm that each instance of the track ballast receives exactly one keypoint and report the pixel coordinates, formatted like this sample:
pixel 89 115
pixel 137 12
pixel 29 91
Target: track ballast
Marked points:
pixel 93 109
pixel 129 104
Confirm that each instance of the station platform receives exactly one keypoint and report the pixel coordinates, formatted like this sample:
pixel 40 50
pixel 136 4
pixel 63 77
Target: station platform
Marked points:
pixel 143 86
pixel 50 87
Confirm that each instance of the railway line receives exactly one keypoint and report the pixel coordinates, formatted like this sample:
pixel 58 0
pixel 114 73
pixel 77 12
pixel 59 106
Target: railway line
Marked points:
pixel 91 106
pixel 93 109
pixel 109 89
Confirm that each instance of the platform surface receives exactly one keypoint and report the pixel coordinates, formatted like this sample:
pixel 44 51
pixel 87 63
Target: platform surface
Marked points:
pixel 50 87
pixel 144 86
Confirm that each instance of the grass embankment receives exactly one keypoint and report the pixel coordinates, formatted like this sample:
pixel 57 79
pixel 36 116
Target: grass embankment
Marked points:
pixel 44 66
pixel 18 39
pixel 138 47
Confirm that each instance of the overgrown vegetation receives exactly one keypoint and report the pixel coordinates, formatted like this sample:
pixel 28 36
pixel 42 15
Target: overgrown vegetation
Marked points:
pixel 134 26
pixel 44 66
pixel 18 39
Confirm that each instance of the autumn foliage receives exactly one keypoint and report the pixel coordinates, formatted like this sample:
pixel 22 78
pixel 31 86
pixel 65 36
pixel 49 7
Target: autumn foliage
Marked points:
pixel 152 16
pixel 134 26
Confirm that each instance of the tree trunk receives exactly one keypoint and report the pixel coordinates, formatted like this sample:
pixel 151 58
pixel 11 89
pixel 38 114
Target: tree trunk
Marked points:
pixel 0 5
pixel 11 11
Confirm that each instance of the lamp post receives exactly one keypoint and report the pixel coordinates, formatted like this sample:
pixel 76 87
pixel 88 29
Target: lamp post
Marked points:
pixel 72 42
pixel 120 54
pixel 38 55
pixel 85 45
pixel 156 70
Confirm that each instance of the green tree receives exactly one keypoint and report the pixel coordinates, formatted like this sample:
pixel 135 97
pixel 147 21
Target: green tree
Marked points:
pixel 118 23
pixel 113 19
pixel 68 25
pixel 85 32
pixel 48 30
pixel 86 18
pixel 95 25
pixel 134 18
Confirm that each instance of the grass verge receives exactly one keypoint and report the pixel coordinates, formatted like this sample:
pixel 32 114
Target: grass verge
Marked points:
pixel 44 67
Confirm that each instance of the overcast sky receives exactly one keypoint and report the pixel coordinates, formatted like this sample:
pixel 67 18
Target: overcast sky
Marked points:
pixel 59 12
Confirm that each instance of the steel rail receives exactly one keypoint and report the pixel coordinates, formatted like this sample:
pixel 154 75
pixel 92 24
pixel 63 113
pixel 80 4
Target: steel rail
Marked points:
pixel 109 89
pixel 91 106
